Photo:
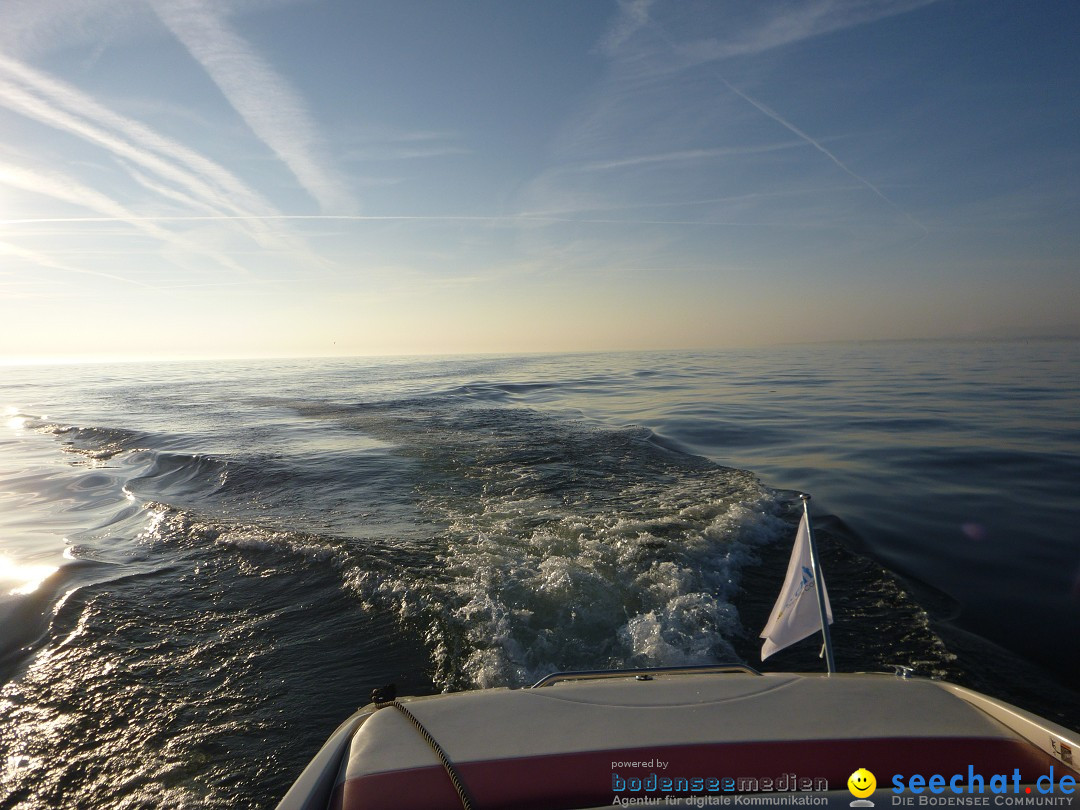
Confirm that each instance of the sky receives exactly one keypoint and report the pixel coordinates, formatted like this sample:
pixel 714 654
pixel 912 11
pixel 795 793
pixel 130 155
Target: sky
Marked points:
pixel 248 178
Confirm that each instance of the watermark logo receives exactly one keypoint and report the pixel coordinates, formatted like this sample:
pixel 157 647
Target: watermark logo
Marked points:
pixel 862 784
pixel 971 788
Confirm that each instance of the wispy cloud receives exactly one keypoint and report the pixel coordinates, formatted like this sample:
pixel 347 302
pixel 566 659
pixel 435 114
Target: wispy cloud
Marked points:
pixel 267 103
pixel 29 28
pixel 782 22
pixel 685 155
pixel 383 144
pixel 57 104
pixel 158 163
pixel 768 24
pixel 66 189
pixel 44 260
pixel 404 152
pixel 663 98
pixel 633 15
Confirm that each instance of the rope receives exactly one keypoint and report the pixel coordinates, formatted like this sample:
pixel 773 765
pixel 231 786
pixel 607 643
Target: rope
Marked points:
pixel 446 763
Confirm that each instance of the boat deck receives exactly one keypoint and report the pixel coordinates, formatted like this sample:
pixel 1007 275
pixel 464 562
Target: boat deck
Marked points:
pixel 576 743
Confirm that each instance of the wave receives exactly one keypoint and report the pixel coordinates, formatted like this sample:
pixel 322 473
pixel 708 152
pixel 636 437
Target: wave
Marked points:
pixel 513 542
pixel 96 443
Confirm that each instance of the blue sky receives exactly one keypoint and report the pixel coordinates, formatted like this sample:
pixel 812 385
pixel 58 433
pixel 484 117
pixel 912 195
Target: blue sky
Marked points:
pixel 190 178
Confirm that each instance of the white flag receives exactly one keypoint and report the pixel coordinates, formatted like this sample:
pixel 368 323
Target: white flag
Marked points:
pixel 795 614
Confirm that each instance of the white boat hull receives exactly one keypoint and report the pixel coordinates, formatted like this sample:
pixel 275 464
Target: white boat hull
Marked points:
pixel 589 742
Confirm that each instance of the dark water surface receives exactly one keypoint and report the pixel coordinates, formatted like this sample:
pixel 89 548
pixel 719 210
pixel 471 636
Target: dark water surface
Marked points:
pixel 205 567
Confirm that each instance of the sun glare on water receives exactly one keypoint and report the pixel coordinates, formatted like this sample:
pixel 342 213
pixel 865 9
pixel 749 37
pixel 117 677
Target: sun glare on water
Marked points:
pixel 26 577
pixel 16 422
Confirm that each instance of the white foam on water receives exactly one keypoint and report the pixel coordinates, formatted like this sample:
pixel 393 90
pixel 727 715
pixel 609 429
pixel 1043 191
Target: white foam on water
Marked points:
pixel 254 538
pixel 535 584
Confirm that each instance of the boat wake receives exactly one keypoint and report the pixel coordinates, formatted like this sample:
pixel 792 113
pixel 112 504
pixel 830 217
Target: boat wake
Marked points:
pixel 445 542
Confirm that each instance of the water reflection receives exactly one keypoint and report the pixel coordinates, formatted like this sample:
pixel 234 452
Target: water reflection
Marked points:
pixel 15 421
pixel 26 577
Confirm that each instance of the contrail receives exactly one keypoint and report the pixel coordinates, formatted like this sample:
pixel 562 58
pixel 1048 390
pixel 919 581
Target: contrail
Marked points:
pixel 509 219
pixel 817 145
pixel 269 106
pixel 271 217
pixel 775 116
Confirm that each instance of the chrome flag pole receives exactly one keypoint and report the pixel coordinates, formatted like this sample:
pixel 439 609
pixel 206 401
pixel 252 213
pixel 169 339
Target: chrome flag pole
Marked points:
pixel 819 580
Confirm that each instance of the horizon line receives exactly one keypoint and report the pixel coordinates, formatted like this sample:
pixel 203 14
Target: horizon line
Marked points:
pixel 88 360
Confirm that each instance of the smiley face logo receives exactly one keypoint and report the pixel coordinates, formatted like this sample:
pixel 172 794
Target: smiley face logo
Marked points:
pixel 861 783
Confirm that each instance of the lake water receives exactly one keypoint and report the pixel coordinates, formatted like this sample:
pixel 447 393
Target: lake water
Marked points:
pixel 205 567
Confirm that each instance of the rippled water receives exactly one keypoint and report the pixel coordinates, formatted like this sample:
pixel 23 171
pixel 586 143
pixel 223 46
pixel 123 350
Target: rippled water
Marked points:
pixel 205 567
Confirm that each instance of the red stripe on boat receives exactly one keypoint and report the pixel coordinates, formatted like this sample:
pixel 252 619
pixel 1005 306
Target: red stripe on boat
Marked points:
pixel 584 779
